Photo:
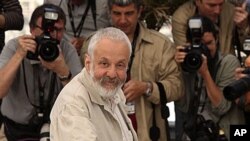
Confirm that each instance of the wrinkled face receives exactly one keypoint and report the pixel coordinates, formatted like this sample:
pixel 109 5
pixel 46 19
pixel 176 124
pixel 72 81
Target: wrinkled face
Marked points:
pixel 209 40
pixel 210 8
pixel 57 33
pixel 108 66
pixel 125 17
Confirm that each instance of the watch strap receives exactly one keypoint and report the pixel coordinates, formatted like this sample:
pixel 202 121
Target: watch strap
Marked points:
pixel 65 78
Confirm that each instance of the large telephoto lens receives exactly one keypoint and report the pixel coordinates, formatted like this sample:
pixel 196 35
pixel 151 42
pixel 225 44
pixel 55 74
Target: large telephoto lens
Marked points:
pixel 237 88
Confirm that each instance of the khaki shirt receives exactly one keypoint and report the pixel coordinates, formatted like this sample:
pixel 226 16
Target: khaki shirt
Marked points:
pixel 80 114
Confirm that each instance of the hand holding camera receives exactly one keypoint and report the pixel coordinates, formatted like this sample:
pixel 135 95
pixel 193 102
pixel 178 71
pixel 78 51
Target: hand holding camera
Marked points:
pixel 25 43
pixel 238 87
pixel 47 46
pixel 193 58
pixel 180 54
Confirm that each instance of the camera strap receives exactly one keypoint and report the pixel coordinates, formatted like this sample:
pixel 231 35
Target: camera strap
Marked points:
pixel 77 31
pixel 45 105
pixel 133 44
pixel 154 130
pixel 237 44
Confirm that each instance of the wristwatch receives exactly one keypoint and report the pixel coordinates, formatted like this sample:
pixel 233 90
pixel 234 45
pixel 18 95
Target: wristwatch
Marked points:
pixel 65 77
pixel 148 92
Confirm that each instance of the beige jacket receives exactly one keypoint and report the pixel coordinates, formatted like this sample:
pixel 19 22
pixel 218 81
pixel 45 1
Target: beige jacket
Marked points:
pixel 80 114
pixel 187 10
pixel 154 61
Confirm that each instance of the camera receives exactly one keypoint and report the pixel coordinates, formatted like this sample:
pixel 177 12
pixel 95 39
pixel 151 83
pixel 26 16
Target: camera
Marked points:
pixel 47 47
pixel 238 87
pixel 237 2
pixel 246 46
pixel 202 130
pixel 193 59
pixel 44 133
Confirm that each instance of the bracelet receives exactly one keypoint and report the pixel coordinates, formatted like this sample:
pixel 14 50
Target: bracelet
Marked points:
pixel 149 89
pixel 65 78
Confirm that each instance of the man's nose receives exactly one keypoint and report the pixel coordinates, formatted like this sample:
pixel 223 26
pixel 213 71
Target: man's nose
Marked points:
pixel 123 18
pixel 112 72
pixel 217 9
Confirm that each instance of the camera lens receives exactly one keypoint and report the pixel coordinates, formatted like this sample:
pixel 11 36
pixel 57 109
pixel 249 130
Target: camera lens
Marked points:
pixel 192 62
pixel 49 50
pixel 237 88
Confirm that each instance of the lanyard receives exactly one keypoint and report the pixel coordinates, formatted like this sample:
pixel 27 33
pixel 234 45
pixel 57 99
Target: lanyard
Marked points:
pixel 44 106
pixel 77 31
pixel 133 44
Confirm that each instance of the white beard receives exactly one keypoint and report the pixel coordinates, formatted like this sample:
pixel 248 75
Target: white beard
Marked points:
pixel 103 92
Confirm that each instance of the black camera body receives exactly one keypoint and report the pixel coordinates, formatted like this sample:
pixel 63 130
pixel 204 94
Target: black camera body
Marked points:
pixel 238 87
pixel 47 47
pixel 202 130
pixel 193 59
pixel 246 46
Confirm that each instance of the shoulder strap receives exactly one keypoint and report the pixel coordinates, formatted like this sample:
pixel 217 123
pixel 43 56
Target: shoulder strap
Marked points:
pixel 93 10
pixel 237 44
pixel 154 130
pixel 163 100
pixel 164 111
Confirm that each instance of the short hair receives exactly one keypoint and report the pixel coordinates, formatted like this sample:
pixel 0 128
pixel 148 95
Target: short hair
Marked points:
pixel 40 10
pixel 138 3
pixel 111 33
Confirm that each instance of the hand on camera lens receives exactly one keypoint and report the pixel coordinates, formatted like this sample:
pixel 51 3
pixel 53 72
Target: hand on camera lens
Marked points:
pixel 58 65
pixel 239 74
pixel 180 54
pixel 26 43
pixel 203 69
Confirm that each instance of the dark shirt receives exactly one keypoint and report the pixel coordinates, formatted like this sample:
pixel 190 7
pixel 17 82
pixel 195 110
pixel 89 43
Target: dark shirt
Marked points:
pixel 12 12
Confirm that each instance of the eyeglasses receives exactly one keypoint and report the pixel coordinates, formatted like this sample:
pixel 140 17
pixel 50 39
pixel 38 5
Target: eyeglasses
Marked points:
pixel 52 29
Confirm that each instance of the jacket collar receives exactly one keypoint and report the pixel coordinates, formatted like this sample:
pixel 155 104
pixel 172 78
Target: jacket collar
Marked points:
pixel 144 34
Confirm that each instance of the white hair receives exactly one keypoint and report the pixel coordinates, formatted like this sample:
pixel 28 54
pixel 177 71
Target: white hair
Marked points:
pixel 111 33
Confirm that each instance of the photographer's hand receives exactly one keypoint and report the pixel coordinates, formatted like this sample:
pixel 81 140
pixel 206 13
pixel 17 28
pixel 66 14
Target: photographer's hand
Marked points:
pixel 58 66
pixel 213 92
pixel 180 54
pixel 25 43
pixel 239 74
pixel 77 43
pixel 241 16
pixel 203 70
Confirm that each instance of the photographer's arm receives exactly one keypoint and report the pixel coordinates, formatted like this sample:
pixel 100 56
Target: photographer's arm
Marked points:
pixel 241 19
pixel 180 55
pixel 213 92
pixel 12 17
pixel 9 70
pixel 58 66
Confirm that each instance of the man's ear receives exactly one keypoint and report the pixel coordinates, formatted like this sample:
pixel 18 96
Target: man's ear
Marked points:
pixel 87 62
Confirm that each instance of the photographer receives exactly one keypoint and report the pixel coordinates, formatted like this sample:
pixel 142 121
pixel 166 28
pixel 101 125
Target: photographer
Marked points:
pixel 223 14
pixel 203 89
pixel 30 85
